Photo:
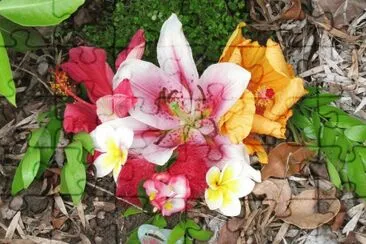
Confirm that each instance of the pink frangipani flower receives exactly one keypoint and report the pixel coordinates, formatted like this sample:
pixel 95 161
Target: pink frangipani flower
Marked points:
pixel 168 193
pixel 174 100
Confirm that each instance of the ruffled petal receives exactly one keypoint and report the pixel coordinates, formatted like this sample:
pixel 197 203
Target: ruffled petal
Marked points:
pixel 180 186
pixel 78 118
pixel 219 87
pixel 264 126
pixel 254 145
pixel 88 65
pixel 237 122
pixel 173 205
pixel 175 54
pixel 152 87
pixel 135 48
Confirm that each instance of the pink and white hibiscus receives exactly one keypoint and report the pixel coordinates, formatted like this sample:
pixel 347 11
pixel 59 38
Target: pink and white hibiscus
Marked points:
pixel 178 105
pixel 88 65
pixel 167 193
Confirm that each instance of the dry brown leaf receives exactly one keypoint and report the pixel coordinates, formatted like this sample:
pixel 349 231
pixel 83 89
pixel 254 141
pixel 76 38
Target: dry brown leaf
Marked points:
pixel 339 219
pixel 313 208
pixel 342 12
pixel 227 235
pixel 278 194
pixel 294 12
pixel 286 159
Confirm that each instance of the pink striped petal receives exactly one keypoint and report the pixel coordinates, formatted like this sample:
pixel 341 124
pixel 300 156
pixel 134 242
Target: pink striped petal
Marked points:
pixel 154 91
pixel 113 106
pixel 219 87
pixel 135 48
pixel 175 54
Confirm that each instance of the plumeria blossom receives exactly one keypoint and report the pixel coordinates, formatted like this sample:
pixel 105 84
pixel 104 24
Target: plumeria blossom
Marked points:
pixel 173 100
pixel 167 193
pixel 112 140
pixel 233 179
pixel 265 106
pixel 88 65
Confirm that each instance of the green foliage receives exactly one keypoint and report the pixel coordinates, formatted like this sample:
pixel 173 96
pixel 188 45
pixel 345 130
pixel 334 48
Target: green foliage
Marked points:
pixel 73 174
pixel 131 211
pixel 189 230
pixel 156 220
pixel 339 136
pixel 26 13
pixel 41 147
pixel 206 24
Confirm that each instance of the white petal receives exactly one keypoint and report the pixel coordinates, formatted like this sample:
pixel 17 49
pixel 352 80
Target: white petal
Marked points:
pixel 213 198
pixel 175 54
pixel 232 209
pixel 157 155
pixel 100 136
pixel 102 168
pixel 246 187
pixel 116 172
pixel 105 108
pixel 124 137
pixel 249 171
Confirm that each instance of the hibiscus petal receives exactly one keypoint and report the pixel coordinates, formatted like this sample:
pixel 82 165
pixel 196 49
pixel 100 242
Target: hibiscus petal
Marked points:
pixel 175 54
pixel 231 205
pixel 214 198
pixel 88 65
pixel 78 118
pixel 103 167
pixel 153 88
pixel 220 86
pixel 135 48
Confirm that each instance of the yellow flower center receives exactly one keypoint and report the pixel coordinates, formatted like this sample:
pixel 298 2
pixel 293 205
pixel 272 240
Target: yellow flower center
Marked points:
pixel 152 196
pixel 168 206
pixel 263 98
pixel 115 154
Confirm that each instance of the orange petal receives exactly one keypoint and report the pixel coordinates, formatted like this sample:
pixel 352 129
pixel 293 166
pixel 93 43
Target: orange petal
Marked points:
pixel 237 122
pixel 265 126
pixel 285 99
pixel 254 145
pixel 235 39
pixel 276 59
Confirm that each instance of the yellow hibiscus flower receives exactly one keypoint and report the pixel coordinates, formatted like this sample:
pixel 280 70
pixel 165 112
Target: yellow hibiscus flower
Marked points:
pixel 265 106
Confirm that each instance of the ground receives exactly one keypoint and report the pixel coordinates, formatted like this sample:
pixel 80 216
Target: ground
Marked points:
pixel 331 60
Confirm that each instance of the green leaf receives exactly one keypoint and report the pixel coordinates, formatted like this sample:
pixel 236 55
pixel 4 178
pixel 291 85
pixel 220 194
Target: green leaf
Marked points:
pixel 20 38
pixel 73 180
pixel 34 137
pixel 317 100
pixel 192 225
pixel 85 140
pixel 26 171
pixel 356 174
pixel 133 238
pixel 38 12
pixel 201 235
pixel 316 123
pixel 356 133
pixel 344 121
pixel 7 86
pixel 177 233
pixel 159 221
pixel 333 174
pixel 132 211
pixel 74 152
pixel 299 120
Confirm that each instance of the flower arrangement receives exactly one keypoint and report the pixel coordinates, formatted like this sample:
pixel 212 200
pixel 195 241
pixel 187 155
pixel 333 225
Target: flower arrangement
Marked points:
pixel 171 138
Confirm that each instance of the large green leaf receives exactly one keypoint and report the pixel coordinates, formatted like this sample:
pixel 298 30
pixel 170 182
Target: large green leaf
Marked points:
pixel 18 37
pixel 26 171
pixel 38 12
pixel 356 133
pixel 85 140
pixel 7 86
pixel 73 180
pixel 319 100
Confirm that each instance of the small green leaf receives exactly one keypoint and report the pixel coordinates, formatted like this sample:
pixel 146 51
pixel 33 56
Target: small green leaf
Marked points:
pixel 201 235
pixel 38 12
pixel 177 233
pixel 344 121
pixel 356 133
pixel 333 174
pixel 299 120
pixel 74 152
pixel 133 238
pixel 73 180
pixel 316 123
pixel 26 171
pixel 318 100
pixel 34 137
pixel 85 140
pixel 7 86
pixel 192 225
pixel 159 221
pixel 132 211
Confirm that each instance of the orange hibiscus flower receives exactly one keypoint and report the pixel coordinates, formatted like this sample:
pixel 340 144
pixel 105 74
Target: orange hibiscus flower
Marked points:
pixel 265 106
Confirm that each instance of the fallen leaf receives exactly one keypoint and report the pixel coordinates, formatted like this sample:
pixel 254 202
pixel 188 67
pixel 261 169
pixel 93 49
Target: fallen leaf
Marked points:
pixel 341 12
pixel 339 219
pixel 278 194
pixel 313 208
pixel 227 236
pixel 294 12
pixel 286 159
